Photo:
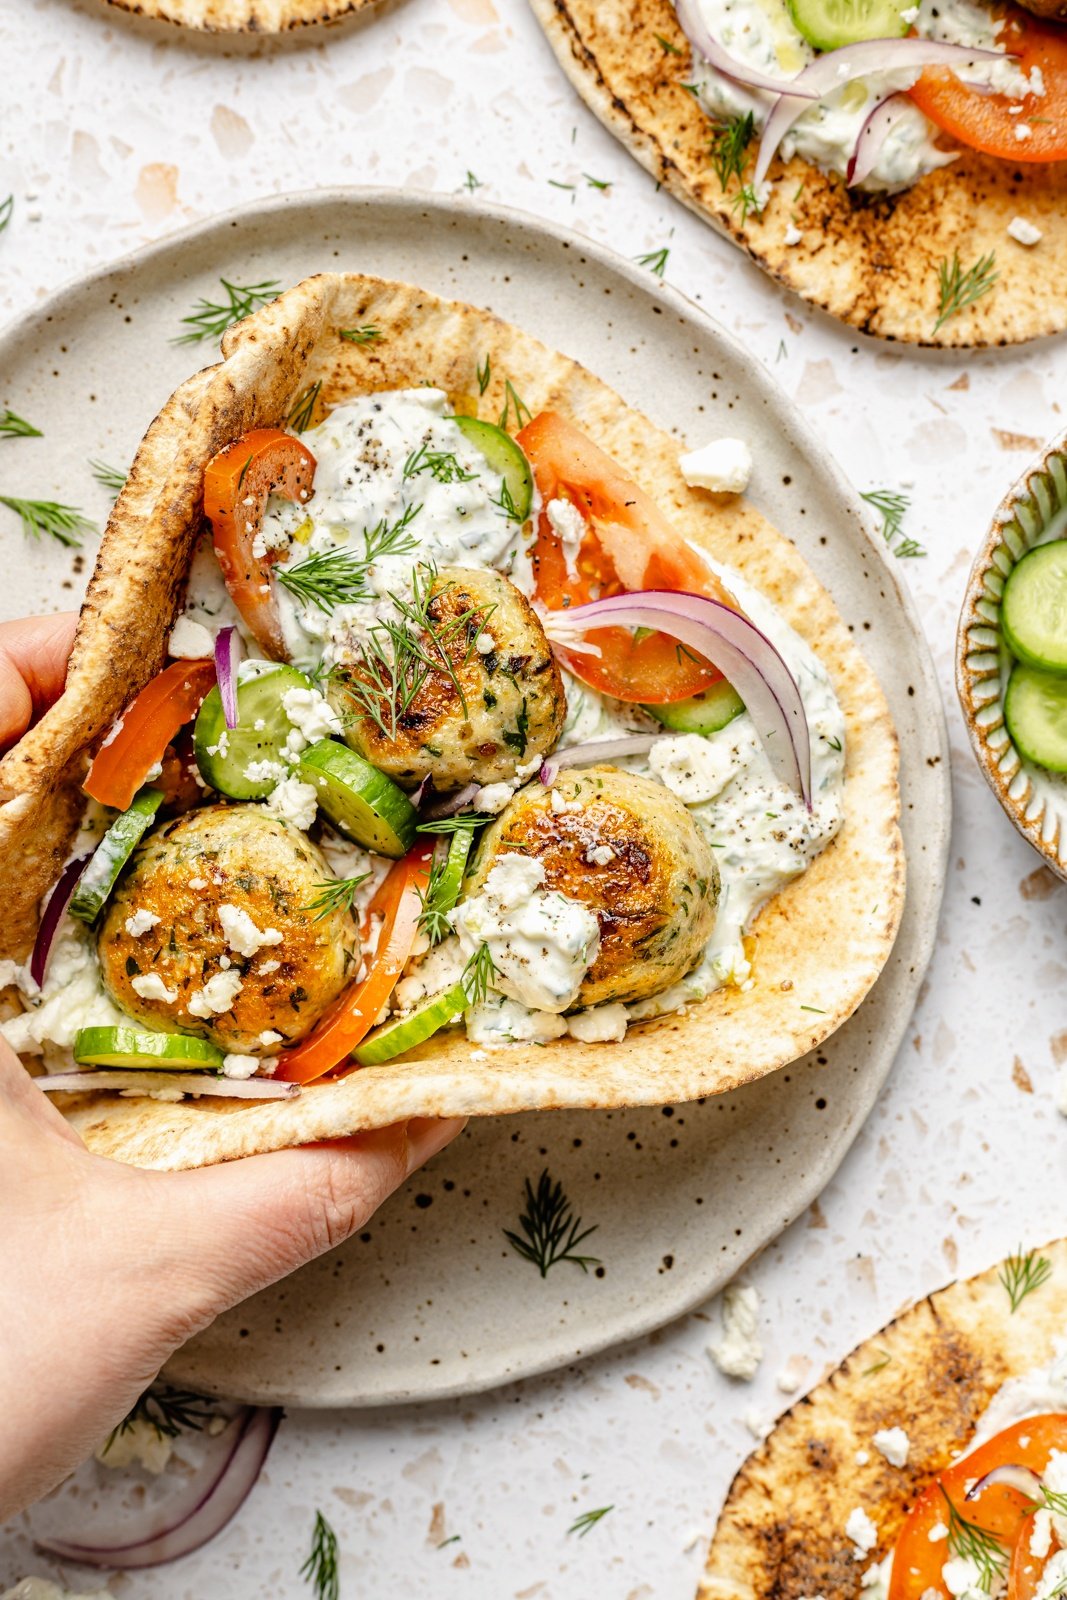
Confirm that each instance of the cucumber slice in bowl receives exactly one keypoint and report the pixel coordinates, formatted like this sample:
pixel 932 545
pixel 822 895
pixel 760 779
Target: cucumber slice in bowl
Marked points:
pixel 404 1033
pixel 505 457
pixel 1033 611
pixel 1035 711
pixel 111 855
pixel 246 762
pixel 361 802
pixel 133 1047
pixel 829 24
pixel 705 712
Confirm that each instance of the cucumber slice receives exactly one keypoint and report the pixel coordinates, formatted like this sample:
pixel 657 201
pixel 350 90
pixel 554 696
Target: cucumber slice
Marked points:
pixel 505 457
pixel 706 712
pixel 397 1037
pixel 361 802
pixel 828 24
pixel 1035 710
pixel 132 1047
pixel 451 880
pixel 1033 612
pixel 111 855
pixel 226 755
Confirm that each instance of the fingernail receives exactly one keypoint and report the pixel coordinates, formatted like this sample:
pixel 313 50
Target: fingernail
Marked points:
pixel 428 1135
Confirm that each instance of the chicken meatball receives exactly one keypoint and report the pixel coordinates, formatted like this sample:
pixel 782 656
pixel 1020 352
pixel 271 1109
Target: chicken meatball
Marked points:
pixel 498 703
pixel 210 931
pixel 628 849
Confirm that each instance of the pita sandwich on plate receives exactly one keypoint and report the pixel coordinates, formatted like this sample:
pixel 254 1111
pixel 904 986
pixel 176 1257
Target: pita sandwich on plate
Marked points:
pixel 818 940
pixel 242 16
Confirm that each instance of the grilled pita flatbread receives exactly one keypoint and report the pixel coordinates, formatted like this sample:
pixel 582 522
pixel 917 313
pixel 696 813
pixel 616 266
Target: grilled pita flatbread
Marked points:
pixel 932 1372
pixel 821 945
pixel 871 261
pixel 242 16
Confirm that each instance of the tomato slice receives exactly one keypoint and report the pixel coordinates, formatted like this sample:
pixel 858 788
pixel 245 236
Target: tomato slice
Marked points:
pixel 999 1510
pixel 985 121
pixel 629 545
pixel 145 729
pixel 1025 1571
pixel 237 482
pixel 399 903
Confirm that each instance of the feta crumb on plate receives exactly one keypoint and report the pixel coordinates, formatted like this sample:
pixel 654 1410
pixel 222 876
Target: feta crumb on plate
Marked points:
pixel 724 466
pixel 1022 230
pixel 739 1351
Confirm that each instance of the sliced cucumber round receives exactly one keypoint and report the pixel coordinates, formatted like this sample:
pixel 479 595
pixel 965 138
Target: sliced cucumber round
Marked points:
pixel 404 1033
pixel 505 457
pixel 451 879
pixel 111 855
pixel 361 802
pixel 246 762
pixel 133 1047
pixel 1033 612
pixel 706 712
pixel 828 24
pixel 1035 710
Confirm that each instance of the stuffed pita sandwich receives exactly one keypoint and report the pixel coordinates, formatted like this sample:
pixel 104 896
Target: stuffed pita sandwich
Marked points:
pixel 242 16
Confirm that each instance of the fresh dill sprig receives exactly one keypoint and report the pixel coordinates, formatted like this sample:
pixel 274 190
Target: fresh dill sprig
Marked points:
pixel 971 1543
pixel 552 1231
pixel 1051 1500
pixel 6 208
pixel 747 201
pixel 365 335
pixel 655 260
pixel 512 401
pixel 210 321
pixel 958 289
pixel 518 738
pixel 730 140
pixel 505 503
pixel 112 479
pixel 878 1366
pixel 436 902
pixel 596 183
pixel 477 976
pixel 470 182
pixel 339 577
pixel 320 1568
pixel 484 372
pixel 65 523
pixel 666 46
pixel 335 896
pixel 168 1412
pixel 299 418
pixel 556 184
pixel 588 1519
pixel 892 506
pixel 15 427
pixel 463 819
pixel 440 464
pixel 1022 1274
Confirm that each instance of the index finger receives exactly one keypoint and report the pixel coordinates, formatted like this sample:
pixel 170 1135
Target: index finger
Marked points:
pixel 34 652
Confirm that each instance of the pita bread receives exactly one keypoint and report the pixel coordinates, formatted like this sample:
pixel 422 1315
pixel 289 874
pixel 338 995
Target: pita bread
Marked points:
pixel 932 1372
pixel 870 261
pixel 242 16
pixel 822 942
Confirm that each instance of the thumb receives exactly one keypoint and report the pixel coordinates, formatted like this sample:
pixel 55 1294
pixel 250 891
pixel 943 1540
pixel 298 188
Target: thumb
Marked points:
pixel 33 666
pixel 259 1218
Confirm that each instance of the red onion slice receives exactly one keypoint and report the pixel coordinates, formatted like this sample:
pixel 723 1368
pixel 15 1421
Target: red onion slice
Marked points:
pixel 839 67
pixel 881 119
pixel 576 755
pixel 217 1495
pixel 744 655
pixel 227 658
pixel 450 806
pixel 187 1082
pixel 54 912
pixel 705 44
pixel 1013 1477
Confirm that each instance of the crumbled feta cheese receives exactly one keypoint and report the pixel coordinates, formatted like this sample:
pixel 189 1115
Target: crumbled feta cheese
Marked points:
pixel 962 1576
pixel 223 746
pixel 217 995
pixel 269 1036
pixel 894 1444
pixel 724 465
pixel 236 1066
pixel 265 968
pixel 862 1458
pixel 1041 1534
pixel 862 1531
pixel 756 1423
pixel 150 986
pixel 499 1020
pixel 1024 231
pixel 1054 1577
pixel 692 767
pixel 598 1024
pixel 241 933
pixel 312 717
pixel 189 640
pixel 1022 130
pixel 198 883
pixel 264 771
pixel 567 521
pixel 559 804
pixel 45 1589
pixel 293 801
pixel 137 1443
pixel 141 922
pixel 600 855
pixel 493 797
pixel 542 942
pixel 938 1532
pixel 793 235
pixel 740 1350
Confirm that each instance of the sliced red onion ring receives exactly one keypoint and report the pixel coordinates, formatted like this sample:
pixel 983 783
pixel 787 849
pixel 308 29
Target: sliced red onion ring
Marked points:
pixel 1013 1477
pixel 54 912
pixel 187 1082
pixel 838 67
pixel 212 1499
pixel 451 804
pixel 705 44
pixel 227 659
pixel 744 655
pixel 576 755
pixel 882 117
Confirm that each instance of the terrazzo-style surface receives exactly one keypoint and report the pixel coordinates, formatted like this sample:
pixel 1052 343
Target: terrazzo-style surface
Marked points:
pixel 117 132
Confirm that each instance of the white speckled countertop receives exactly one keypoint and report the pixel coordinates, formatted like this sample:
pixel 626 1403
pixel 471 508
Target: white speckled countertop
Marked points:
pixel 116 132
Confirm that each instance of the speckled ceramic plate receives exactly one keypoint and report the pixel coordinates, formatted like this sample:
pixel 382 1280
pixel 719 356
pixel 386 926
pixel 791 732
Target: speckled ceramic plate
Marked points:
pixel 1032 512
pixel 431 1300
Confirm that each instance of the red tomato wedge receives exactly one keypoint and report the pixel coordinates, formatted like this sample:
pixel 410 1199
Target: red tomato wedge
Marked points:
pixel 999 1510
pixel 985 121
pixel 399 903
pixel 236 485
pixel 145 729
pixel 1025 1571
pixel 629 545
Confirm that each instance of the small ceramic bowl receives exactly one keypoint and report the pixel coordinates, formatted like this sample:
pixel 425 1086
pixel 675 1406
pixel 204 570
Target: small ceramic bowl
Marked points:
pixel 1033 511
